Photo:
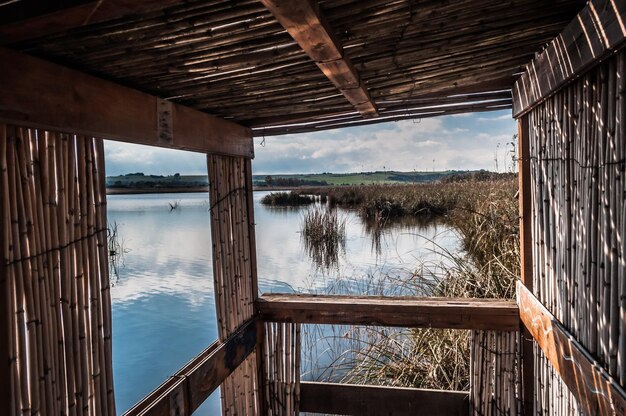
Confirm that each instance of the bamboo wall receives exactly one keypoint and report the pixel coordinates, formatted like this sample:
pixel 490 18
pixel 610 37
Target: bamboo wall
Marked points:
pixel 578 150
pixel 234 271
pixel 281 363
pixel 54 230
pixel 494 373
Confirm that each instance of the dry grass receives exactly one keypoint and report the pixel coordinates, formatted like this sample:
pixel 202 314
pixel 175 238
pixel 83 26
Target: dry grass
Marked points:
pixel 485 213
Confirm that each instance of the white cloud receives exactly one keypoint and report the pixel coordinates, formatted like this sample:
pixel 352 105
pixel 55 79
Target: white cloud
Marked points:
pixel 454 142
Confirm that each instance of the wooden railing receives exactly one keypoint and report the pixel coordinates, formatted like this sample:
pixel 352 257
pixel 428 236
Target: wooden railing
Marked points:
pixel 185 391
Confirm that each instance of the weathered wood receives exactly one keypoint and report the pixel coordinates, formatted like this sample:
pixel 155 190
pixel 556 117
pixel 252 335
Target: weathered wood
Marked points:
pixel 414 312
pixel 304 22
pixel 30 19
pixel 186 390
pixel 351 399
pixel 36 93
pixel 598 30
pixel 525 209
pixel 596 391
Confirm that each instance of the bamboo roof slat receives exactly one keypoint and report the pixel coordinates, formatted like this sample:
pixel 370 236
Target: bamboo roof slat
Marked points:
pixel 234 60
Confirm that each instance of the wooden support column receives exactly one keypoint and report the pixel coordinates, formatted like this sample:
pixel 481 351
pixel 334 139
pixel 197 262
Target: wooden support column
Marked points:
pixel 525 210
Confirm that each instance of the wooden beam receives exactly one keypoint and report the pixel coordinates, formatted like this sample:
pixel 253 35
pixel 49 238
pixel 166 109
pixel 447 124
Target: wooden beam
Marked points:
pixel 351 399
pixel 596 391
pixel 30 19
pixel 597 31
pixel 186 390
pixel 308 27
pixel 525 209
pixel 36 93
pixel 413 312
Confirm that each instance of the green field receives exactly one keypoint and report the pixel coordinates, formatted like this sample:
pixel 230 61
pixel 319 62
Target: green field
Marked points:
pixel 362 178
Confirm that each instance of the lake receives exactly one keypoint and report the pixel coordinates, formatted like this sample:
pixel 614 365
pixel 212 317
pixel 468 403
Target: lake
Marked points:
pixel 163 301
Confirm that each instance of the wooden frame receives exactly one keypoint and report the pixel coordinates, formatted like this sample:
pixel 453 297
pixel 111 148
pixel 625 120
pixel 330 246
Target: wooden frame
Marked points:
pixel 414 312
pixel 598 30
pixel 36 93
pixel 351 399
pixel 186 390
pixel 595 390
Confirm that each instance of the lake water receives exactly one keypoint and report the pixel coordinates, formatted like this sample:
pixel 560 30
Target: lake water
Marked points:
pixel 163 302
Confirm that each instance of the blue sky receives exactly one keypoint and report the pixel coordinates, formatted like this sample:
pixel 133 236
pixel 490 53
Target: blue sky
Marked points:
pixel 467 141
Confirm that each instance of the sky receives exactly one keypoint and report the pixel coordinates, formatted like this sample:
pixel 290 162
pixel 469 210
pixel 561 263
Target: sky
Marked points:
pixel 460 142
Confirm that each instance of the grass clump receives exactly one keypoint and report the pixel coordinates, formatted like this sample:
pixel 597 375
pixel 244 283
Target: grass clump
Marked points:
pixel 324 235
pixel 282 199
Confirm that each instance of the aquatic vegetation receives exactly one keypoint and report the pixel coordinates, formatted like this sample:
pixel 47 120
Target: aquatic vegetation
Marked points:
pixel 287 199
pixel 324 236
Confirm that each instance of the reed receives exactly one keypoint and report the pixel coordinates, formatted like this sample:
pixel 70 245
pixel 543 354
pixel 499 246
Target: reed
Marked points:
pixel 324 236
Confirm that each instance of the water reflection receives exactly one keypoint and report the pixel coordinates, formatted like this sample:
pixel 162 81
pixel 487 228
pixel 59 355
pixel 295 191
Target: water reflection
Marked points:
pixel 163 304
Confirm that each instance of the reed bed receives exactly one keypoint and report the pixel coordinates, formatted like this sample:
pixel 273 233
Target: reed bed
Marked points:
pixel 54 251
pixel 287 199
pixel 324 236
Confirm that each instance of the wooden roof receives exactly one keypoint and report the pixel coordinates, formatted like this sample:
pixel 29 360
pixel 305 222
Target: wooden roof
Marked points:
pixel 234 58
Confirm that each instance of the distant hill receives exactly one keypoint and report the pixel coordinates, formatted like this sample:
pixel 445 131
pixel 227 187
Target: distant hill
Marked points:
pixel 362 178
pixel 140 182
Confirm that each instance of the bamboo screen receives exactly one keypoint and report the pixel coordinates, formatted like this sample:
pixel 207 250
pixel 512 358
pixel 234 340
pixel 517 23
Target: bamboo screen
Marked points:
pixel 281 363
pixel 578 151
pixel 494 373
pixel 54 229
pixel 234 271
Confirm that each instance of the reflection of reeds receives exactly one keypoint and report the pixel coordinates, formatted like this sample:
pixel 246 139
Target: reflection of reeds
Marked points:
pixel 116 250
pixel 324 236
pixel 287 199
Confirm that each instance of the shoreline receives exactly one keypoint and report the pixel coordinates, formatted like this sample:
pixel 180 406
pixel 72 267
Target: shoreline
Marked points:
pixel 196 189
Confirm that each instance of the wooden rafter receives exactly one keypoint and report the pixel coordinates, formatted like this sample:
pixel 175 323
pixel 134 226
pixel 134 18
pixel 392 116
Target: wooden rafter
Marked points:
pixel 39 94
pixel 304 22
pixel 31 19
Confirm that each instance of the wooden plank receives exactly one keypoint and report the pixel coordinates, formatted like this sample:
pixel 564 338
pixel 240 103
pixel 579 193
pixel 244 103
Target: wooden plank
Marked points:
pixel 308 27
pixel 414 312
pixel 30 19
pixel 36 93
pixel 186 390
pixel 596 391
pixel 351 399
pixel 525 209
pixel 597 31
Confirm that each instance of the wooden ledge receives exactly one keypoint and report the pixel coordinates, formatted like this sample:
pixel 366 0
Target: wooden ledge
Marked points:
pixel 413 312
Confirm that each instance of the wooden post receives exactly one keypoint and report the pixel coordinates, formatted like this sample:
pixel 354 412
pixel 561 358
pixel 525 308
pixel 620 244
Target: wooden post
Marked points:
pixel 527 370
pixel 255 287
pixel 5 313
